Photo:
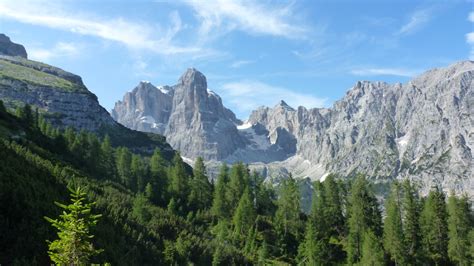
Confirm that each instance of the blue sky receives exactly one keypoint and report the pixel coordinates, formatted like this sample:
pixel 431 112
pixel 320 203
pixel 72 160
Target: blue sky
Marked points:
pixel 253 53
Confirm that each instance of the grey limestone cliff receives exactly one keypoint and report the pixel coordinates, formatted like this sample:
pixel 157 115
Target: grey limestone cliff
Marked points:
pixel 422 130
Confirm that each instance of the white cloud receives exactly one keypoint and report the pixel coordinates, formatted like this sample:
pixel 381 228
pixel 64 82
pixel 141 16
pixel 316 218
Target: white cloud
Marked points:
pixel 417 20
pixel 385 71
pixel 133 35
pixel 248 16
pixel 241 63
pixel 247 95
pixel 471 17
pixel 470 37
pixel 61 49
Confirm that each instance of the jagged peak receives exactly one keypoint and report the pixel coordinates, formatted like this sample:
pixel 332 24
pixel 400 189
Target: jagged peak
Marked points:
pixel 284 105
pixel 193 76
pixel 437 74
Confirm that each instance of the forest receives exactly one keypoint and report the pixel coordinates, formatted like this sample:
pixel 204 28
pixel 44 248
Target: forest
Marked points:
pixel 156 211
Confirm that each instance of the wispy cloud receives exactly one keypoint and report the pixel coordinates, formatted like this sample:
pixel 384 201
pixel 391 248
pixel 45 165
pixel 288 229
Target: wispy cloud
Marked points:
pixel 132 34
pixel 248 16
pixel 471 17
pixel 241 63
pixel 247 95
pixel 60 49
pixel 417 20
pixel 385 72
pixel 470 37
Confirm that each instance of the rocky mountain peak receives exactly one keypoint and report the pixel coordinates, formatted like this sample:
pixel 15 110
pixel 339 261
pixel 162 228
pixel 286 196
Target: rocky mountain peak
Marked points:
pixel 284 105
pixel 194 79
pixel 7 47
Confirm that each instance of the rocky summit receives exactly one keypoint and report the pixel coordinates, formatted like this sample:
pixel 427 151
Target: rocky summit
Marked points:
pixel 7 47
pixel 422 130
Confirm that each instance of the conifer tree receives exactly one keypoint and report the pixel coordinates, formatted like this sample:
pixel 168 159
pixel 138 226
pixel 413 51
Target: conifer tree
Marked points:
pixel 434 227
pixel 244 216
pixel 372 252
pixel 220 208
pixel 107 162
pixel 393 236
pixel 178 186
pixel 3 110
pixel 200 196
pixel 138 173
pixel 459 226
pixel 74 245
pixel 287 217
pixel 124 160
pixel 316 249
pixel 364 214
pixel 335 220
pixel 411 223
pixel 159 177
pixel 238 181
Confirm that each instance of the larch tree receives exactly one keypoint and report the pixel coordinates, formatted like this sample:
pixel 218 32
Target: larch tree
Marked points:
pixel 459 226
pixel 74 246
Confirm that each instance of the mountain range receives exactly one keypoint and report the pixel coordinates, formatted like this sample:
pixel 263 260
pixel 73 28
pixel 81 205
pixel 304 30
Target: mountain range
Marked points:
pixel 422 130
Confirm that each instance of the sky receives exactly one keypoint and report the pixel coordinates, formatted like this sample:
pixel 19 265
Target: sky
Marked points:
pixel 253 53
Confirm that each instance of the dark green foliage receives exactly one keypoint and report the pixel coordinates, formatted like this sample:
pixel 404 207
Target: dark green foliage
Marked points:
pixel 364 215
pixel 156 213
pixel 393 235
pixel 179 183
pixel 74 245
pixel 244 217
pixel 288 224
pixel 220 208
pixel 434 228
pixel 411 223
pixel 459 226
pixel 200 196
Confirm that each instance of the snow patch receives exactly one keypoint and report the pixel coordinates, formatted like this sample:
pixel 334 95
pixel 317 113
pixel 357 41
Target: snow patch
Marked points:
pixel 245 125
pixel 147 119
pixel 403 141
pixel 187 160
pixel 163 89
pixel 322 178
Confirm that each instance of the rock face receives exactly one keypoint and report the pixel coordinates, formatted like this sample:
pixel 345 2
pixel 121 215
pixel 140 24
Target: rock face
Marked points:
pixel 60 95
pixel 422 130
pixel 10 48
pixel 192 117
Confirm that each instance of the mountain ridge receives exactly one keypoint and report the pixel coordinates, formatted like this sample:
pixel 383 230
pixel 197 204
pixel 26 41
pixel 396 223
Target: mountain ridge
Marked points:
pixel 377 128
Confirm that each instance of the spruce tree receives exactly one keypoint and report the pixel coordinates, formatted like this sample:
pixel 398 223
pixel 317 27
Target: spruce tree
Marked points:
pixel 200 196
pixel 335 220
pixel 434 227
pixel 459 226
pixel 411 223
pixel 316 249
pixel 220 207
pixel 393 237
pixel 73 246
pixel 287 218
pixel 364 215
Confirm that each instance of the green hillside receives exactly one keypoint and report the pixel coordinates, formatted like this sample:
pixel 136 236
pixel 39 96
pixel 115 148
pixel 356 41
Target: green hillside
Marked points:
pixel 155 212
